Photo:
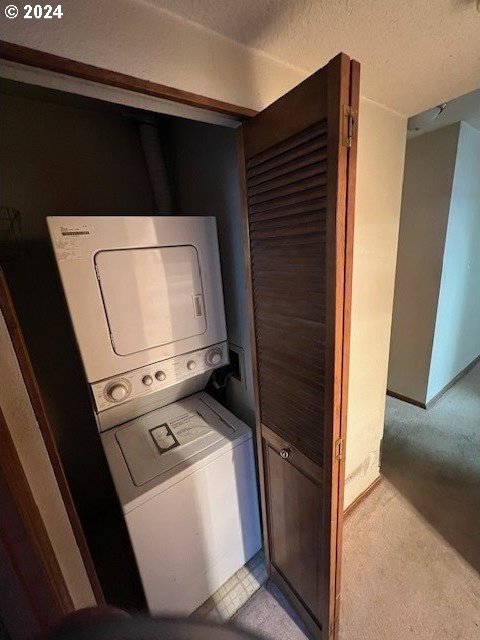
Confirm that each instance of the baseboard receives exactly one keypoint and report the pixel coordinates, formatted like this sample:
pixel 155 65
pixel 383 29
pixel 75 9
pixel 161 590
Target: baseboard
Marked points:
pixel 462 373
pixel 399 396
pixel 362 496
pixel 427 405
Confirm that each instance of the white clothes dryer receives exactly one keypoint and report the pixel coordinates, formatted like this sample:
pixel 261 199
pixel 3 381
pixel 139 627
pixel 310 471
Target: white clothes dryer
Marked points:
pixel 140 290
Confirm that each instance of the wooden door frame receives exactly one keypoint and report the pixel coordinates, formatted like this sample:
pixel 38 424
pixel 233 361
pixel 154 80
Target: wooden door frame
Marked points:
pixel 68 67
pixel 44 580
pixel 347 317
pixel 33 390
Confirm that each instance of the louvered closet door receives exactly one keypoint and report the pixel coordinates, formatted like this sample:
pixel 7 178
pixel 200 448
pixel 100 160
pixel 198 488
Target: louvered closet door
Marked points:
pixel 299 176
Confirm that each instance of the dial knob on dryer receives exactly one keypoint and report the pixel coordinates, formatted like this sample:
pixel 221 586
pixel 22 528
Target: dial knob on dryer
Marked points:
pixel 118 391
pixel 214 356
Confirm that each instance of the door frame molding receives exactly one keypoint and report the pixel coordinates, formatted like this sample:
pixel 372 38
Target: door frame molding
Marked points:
pixel 66 66
pixel 33 390
pixel 19 494
pixel 347 317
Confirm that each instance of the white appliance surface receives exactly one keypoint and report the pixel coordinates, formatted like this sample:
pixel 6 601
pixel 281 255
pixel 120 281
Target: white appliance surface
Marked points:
pixel 165 438
pixel 185 476
pixel 139 289
pixel 163 382
pixel 137 321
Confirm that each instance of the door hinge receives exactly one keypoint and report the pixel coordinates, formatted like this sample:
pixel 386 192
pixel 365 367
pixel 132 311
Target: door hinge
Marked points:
pixel 339 447
pixel 350 119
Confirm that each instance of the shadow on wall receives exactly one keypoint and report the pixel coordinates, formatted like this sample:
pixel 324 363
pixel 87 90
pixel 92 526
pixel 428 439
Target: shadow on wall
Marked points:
pixel 58 159
pixel 433 458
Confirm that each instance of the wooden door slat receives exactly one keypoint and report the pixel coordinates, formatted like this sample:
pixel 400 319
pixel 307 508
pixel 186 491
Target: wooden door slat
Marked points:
pixel 316 194
pixel 295 187
pixel 287 145
pixel 313 151
pixel 276 213
pixel 304 168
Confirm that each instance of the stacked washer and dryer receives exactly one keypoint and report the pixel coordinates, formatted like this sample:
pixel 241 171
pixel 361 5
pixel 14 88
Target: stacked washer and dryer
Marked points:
pixel 145 298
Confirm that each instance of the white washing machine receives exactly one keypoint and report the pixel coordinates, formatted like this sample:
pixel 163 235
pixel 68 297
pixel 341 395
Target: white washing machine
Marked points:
pixel 146 302
pixel 185 477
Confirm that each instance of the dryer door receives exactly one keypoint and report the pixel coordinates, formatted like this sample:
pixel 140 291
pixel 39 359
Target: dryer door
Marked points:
pixel 152 296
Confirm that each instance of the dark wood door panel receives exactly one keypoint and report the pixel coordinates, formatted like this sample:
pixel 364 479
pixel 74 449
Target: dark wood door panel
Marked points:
pixel 297 184
pixel 288 256
pixel 293 487
pixel 295 112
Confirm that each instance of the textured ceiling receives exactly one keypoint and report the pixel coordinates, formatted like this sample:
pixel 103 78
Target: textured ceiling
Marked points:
pixel 414 53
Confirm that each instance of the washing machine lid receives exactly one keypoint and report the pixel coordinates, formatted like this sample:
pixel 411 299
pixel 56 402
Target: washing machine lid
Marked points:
pixel 155 443
pixel 151 296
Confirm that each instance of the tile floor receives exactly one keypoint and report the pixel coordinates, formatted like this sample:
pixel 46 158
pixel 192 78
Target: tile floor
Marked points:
pixel 235 592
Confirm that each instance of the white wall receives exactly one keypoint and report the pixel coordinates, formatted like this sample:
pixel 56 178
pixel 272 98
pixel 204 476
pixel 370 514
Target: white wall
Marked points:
pixel 36 464
pixel 381 148
pixel 429 171
pixel 456 341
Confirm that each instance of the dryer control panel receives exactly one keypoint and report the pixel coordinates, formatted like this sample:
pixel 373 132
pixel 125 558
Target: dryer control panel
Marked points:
pixel 157 376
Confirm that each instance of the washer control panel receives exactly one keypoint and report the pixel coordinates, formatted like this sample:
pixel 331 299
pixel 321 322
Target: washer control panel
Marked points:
pixel 159 375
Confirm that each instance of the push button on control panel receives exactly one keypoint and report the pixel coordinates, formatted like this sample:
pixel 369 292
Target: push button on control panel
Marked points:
pixel 160 375
pixel 191 365
pixel 148 380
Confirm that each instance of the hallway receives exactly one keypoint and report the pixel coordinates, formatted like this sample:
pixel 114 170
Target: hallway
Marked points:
pixel 412 548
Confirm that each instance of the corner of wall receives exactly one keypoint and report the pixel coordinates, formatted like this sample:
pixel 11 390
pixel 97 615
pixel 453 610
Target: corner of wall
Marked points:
pixel 456 339
pixel 429 170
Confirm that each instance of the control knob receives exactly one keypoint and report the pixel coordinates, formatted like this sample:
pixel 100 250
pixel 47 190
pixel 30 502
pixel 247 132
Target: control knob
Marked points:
pixel 191 365
pixel 160 375
pixel 147 380
pixel 214 356
pixel 118 391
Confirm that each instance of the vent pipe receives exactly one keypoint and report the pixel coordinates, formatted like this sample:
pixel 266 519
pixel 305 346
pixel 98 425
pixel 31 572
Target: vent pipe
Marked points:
pixel 157 172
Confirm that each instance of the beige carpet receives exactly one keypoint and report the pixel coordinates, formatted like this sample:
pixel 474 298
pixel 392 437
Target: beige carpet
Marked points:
pixel 412 548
